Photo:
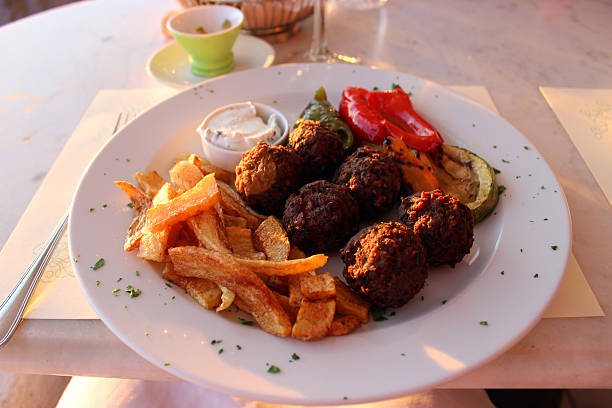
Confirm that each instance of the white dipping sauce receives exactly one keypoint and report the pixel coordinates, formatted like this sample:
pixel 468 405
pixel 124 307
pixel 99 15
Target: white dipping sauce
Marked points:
pixel 239 128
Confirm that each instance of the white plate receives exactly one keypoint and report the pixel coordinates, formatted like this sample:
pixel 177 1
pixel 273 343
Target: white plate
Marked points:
pixel 170 64
pixel 436 336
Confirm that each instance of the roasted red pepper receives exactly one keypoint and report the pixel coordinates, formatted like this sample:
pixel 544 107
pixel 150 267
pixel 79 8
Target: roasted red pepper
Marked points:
pixel 373 115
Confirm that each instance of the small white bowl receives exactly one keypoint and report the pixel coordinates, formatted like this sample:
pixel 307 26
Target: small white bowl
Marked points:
pixel 228 159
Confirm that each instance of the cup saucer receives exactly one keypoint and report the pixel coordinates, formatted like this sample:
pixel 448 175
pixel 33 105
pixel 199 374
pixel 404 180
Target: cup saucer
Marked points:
pixel 170 64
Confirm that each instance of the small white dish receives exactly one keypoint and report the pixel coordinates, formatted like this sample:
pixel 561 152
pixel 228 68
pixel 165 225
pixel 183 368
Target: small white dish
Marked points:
pixel 229 159
pixel 170 64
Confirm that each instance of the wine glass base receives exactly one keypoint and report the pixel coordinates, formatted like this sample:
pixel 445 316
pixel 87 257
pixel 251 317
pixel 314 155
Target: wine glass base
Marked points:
pixel 331 58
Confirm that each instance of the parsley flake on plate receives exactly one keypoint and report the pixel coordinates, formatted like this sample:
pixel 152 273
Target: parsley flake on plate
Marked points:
pixel 99 263
pixel 134 292
pixel 273 369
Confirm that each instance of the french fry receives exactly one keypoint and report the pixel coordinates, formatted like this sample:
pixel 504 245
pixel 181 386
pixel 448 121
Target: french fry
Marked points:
pixel 209 230
pixel 233 205
pixel 317 287
pixel 185 175
pixel 141 203
pixel 192 202
pixel 348 303
pixel 271 238
pixel 342 325
pixel 241 242
pixel 279 284
pixel 284 268
pixel 294 282
pixel 165 193
pixel 135 232
pixel 149 182
pixel 153 245
pixel 227 298
pixel 314 319
pixel 260 301
pixel 137 197
pixel 233 221
pixel 205 292
pixel 169 274
pixel 207 167
pixel 290 310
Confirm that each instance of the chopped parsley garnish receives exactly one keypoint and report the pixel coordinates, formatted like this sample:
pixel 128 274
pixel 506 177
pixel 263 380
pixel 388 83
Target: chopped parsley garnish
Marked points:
pixel 545 219
pixel 473 125
pixel 495 146
pixel 97 283
pixel 444 302
pixel 294 356
pixel 502 272
pixel 119 279
pixel 91 210
pixel 484 323
pixel 134 292
pixel 115 291
pixel 394 85
pixel 273 369
pixel 542 188
pixel 245 322
pixel 166 364
pixel 168 285
pixel 131 205
pixel 98 264
pixel 554 247
pixel 375 88
pixel 500 189
pixel 238 346
pixel 137 273
pixel 216 342
pixel 536 275
pixel 220 351
pixel 496 171
pixel 526 147
pixel 104 205
pixel 505 161
pixel 378 313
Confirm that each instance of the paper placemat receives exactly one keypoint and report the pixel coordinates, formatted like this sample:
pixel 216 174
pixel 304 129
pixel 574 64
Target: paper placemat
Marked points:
pixel 586 115
pixel 58 284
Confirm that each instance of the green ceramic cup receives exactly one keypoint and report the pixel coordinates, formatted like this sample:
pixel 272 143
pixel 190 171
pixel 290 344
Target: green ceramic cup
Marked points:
pixel 208 34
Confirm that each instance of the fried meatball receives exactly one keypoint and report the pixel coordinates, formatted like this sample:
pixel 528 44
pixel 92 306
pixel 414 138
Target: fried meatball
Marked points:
pixel 443 223
pixel 373 178
pixel 320 148
pixel 386 264
pixel 321 216
pixel 266 175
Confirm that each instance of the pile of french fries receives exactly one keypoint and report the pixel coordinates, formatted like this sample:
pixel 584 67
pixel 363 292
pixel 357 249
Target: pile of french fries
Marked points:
pixel 222 253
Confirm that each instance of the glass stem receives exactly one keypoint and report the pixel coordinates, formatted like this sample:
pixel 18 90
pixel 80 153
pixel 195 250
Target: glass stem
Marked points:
pixel 319 49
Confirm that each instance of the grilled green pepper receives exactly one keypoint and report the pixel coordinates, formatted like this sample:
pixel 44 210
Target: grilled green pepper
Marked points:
pixel 320 110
